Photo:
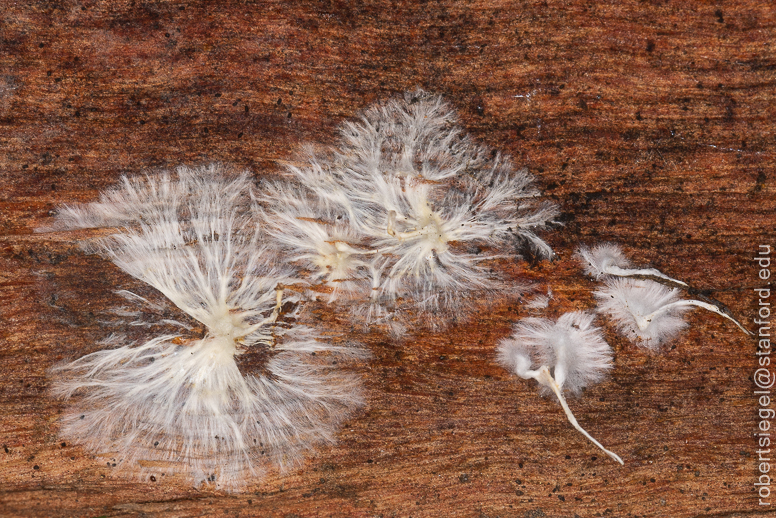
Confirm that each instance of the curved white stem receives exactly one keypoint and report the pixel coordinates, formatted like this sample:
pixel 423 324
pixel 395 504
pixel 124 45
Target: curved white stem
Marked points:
pixel 631 272
pixel 543 376
pixel 643 322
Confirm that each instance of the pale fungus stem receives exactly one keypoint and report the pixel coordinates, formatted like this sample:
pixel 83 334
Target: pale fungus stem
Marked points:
pixel 543 376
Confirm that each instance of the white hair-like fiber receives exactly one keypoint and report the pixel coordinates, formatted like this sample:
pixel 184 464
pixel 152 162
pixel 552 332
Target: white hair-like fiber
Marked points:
pixel 408 211
pixel 572 348
pixel 179 404
pixel 634 306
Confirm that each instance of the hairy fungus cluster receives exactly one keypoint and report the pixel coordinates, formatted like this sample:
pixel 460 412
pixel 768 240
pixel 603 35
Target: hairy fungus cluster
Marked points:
pixel 404 217
pixel 177 403
pixel 644 303
pixel 570 353
pixel 400 217
pixel 404 214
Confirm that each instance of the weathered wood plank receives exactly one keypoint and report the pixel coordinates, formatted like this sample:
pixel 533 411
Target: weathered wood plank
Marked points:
pixel 651 123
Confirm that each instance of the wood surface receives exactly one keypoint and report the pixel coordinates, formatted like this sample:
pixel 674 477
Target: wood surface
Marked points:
pixel 650 122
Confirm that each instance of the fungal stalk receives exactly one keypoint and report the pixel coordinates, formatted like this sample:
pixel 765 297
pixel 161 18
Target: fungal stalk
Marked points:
pixel 543 376
pixel 570 353
pixel 608 260
pixel 644 321
pixel 644 303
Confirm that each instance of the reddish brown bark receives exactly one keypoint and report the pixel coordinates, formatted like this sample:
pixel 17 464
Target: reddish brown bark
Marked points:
pixel 651 123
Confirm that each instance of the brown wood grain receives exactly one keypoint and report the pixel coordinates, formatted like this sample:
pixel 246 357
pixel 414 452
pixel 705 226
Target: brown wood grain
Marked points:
pixel 651 123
